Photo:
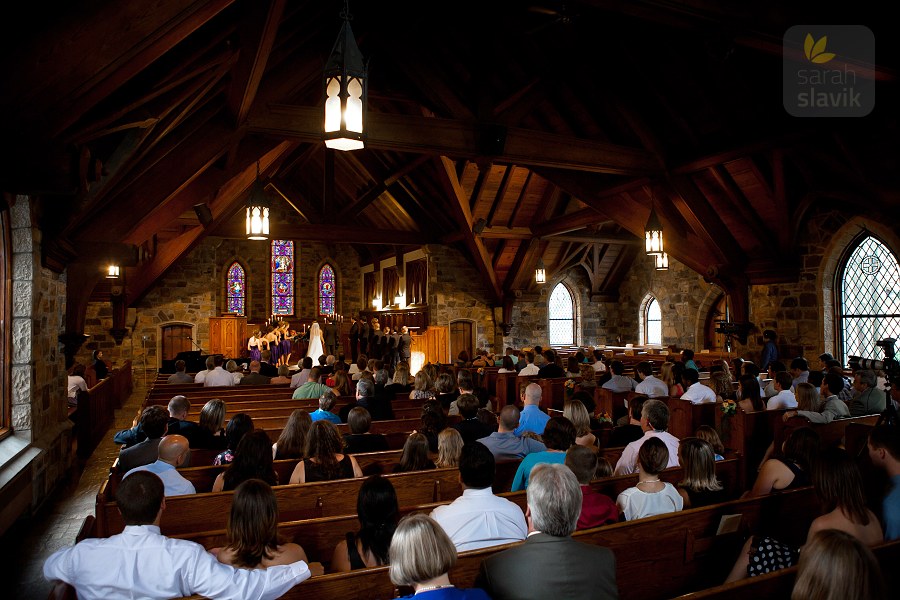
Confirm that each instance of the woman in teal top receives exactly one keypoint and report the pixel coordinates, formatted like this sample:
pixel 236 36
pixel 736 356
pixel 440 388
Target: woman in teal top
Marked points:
pixel 559 435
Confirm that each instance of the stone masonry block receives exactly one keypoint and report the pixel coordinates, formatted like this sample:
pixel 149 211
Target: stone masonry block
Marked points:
pixel 21 213
pixel 21 384
pixel 23 266
pixel 21 331
pixel 22 298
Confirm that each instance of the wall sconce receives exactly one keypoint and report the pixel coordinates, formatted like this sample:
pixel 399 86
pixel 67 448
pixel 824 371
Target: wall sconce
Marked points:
pixel 662 262
pixel 346 84
pixel 540 273
pixel 257 211
pixel 112 272
pixel 375 302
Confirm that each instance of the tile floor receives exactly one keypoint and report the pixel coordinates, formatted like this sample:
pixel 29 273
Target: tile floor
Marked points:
pixel 26 545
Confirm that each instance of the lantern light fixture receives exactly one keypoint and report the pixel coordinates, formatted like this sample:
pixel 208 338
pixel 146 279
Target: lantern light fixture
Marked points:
pixel 540 273
pixel 653 234
pixel 112 272
pixel 257 211
pixel 662 262
pixel 346 84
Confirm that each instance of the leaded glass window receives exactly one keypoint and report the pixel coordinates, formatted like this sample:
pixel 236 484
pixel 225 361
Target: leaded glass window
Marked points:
pixel 283 277
pixel 869 298
pixel 237 291
pixel 652 322
pixel 562 317
pixel 326 290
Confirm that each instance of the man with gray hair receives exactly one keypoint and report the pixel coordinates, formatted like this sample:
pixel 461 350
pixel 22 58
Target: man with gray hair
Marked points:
pixel 654 422
pixel 867 399
pixel 549 563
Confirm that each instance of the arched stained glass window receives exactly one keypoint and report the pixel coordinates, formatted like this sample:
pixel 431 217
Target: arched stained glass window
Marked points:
pixel 869 304
pixel 652 322
pixel 561 311
pixel 283 277
pixel 237 289
pixel 326 290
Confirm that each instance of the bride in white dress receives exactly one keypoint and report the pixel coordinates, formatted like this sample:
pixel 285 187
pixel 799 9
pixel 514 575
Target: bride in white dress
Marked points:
pixel 316 347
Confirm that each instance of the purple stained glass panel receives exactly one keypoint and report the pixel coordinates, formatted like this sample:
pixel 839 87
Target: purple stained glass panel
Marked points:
pixel 326 290
pixel 283 277
pixel 237 294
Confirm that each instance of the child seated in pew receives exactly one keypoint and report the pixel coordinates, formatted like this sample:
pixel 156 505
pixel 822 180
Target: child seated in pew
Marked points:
pixel 378 512
pixel 251 533
pixel 252 460
pixel 711 436
pixel 239 425
pixel 650 496
pixel 596 508
pixel 837 566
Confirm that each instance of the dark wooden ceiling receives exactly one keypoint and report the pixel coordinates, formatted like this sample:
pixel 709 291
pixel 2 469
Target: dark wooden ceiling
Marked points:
pixel 123 116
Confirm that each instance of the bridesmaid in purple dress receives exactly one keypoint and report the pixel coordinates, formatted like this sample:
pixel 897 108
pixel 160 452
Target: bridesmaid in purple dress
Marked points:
pixel 253 345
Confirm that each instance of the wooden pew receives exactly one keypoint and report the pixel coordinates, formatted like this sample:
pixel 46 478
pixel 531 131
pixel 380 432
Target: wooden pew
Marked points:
pixel 507 389
pixel 749 435
pixel 610 402
pixel 94 415
pixel 685 417
pixel 831 434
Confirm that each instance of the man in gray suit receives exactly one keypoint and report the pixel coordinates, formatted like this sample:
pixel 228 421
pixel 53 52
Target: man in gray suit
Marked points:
pixel 549 563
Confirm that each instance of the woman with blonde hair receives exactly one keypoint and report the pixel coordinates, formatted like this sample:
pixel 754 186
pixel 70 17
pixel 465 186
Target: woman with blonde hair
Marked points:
pixel 588 380
pixel 700 487
pixel 210 434
pixel 251 533
pixel 807 397
pixel 421 558
pixel 667 374
pixel 575 411
pixel 325 456
pixel 292 441
pixel 422 388
pixel 721 385
pixel 450 444
pixel 834 565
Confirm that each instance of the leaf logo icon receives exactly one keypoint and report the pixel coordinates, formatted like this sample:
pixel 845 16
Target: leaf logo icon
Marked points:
pixel 815 50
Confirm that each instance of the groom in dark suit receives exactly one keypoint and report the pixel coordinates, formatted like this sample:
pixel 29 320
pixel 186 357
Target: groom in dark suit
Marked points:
pixel 329 335
pixel 549 563
pixel 354 339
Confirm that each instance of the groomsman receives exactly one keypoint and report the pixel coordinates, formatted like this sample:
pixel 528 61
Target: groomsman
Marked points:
pixel 404 346
pixel 354 338
pixel 363 335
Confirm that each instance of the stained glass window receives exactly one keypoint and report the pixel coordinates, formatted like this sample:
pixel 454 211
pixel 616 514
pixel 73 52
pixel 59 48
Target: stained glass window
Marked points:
pixel 283 277
pixel 652 322
pixel 562 317
pixel 869 299
pixel 237 291
pixel 326 290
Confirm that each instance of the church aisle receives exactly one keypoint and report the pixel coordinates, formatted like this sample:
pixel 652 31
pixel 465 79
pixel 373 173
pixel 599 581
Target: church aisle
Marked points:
pixel 29 542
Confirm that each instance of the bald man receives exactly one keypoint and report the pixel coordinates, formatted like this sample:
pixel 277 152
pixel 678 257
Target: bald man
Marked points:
pixel 173 451
pixel 532 418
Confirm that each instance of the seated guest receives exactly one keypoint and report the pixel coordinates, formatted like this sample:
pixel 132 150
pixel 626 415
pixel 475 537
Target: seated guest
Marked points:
pixel 218 377
pixel 867 399
pixel 236 374
pixel 835 565
pixel 200 377
pixel 445 388
pixel 596 509
pixel 266 368
pixel 254 377
pixel 251 533
pixel 573 367
pixel 238 426
pixel 598 364
pixel 252 460
pixel 807 397
pixel 488 418
pixel 210 434
pixel 292 441
pixel 470 428
pixel 378 512
pixel 76 382
pixel 709 435
pixel 433 423
pixel 588 381
pixel 99 364
pixel 792 470
pixel 326 405
pixel 509 366
pixel 884 450
pixel 326 460
pixel 359 439
pixel 312 388
pixel 550 564
pixel 450 444
pixel 415 455
pixel 173 450
pixel 654 423
pixel 687 359
pixel 368 396
pixel 400 382
pixel 551 369
pixel 750 394
pixel 831 408
pixel 532 417
pixel 504 444
pixel 625 434
pixel 421 558
pixel 700 487
pixel 650 386
pixel 340 383
pixel 355 369
pixel 478 518
pixel 721 384
pixel 302 376
pixel 422 388
pixel 154 422
pixel 667 375
pixel 784 397
pixel 619 382
pixel 575 412
pixel 468 382
pixel 558 436
pixel 650 496
pixel 179 376
pixel 178 408
pixel 530 368
pixel 141 563
pixel 283 376
pixel 696 392
pixel 774 368
pixel 799 371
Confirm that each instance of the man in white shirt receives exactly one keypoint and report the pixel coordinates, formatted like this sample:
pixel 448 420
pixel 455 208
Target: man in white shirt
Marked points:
pixel 784 397
pixel 200 377
pixel 599 365
pixel 654 422
pixel 173 449
pixel 619 382
pixel 651 386
pixel 696 392
pixel 478 518
pixel 302 376
pixel 142 563
pixel 218 377
pixel 76 382
pixel 530 368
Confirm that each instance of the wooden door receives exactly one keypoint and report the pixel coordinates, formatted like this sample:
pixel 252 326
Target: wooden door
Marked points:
pixel 461 337
pixel 175 339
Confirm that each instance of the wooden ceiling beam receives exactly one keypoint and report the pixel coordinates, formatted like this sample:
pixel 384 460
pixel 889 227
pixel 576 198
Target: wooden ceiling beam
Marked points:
pixel 622 240
pixel 570 222
pixel 295 200
pixel 748 214
pixel 343 233
pixel 459 208
pixel 506 233
pixel 456 139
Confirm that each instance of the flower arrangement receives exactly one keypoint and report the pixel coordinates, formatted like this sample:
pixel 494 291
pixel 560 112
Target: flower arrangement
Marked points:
pixel 604 417
pixel 729 408
pixel 569 387
pixel 480 371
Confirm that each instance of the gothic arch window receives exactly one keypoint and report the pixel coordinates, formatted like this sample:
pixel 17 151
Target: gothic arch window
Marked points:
pixel 868 288
pixel 561 313
pixel 236 286
pixel 326 289
pixel 283 278
pixel 651 321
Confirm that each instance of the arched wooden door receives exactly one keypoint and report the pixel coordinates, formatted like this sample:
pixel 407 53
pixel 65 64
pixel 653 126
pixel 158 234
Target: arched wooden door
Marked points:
pixel 175 339
pixel 462 335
